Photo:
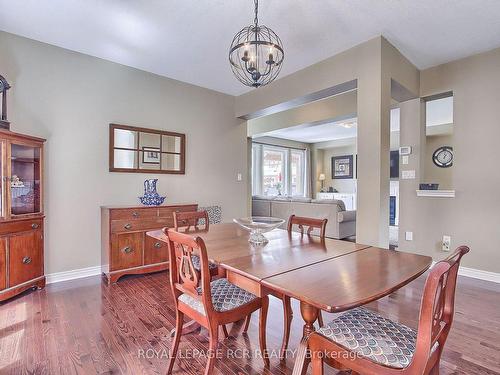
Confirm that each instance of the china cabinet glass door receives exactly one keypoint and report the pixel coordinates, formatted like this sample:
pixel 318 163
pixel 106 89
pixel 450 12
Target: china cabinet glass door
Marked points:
pixel 25 172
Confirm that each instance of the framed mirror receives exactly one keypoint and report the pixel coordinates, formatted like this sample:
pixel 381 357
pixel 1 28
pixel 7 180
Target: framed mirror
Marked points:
pixel 140 150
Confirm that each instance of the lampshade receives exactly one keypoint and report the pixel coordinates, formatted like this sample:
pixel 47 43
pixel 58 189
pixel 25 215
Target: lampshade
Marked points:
pixel 322 177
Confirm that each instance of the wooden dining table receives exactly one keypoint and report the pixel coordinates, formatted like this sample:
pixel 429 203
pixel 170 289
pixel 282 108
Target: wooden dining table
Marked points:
pixel 329 275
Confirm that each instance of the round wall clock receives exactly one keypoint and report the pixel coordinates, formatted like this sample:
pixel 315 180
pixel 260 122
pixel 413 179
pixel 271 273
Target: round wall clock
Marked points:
pixel 443 157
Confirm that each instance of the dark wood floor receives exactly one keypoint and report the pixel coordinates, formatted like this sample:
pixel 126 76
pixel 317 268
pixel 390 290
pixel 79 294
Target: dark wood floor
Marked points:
pixel 86 327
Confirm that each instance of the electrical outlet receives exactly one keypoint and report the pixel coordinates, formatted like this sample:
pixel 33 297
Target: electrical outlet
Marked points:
pixel 239 177
pixel 409 236
pixel 446 243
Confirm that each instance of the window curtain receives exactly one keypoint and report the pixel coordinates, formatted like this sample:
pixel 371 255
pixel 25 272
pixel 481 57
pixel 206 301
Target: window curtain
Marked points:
pixel 307 173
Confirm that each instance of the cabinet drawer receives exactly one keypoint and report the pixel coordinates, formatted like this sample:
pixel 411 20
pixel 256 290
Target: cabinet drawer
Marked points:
pixel 132 214
pixel 20 226
pixel 169 211
pixel 155 251
pixel 25 257
pixel 118 226
pixel 126 250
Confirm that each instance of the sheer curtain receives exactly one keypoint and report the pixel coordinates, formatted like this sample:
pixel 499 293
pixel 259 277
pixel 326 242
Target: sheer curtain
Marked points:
pixel 308 181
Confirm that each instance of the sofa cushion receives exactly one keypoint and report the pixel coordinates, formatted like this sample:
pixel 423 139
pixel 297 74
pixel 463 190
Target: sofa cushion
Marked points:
pixel 339 203
pixel 262 197
pixel 282 198
pixel 301 199
pixel 345 216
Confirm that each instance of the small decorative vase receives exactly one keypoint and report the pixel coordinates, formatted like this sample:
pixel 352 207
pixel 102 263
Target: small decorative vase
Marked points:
pixel 151 196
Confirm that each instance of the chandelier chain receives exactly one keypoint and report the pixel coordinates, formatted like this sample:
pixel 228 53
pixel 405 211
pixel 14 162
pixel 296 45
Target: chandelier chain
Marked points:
pixel 256 19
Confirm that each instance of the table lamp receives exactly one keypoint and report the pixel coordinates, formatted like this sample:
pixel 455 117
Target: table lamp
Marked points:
pixel 322 178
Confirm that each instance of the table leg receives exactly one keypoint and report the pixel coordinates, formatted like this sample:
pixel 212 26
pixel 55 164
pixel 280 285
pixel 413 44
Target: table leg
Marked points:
pixel 310 315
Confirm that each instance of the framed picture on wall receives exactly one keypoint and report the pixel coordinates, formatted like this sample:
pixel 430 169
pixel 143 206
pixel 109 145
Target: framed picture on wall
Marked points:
pixel 151 155
pixel 342 167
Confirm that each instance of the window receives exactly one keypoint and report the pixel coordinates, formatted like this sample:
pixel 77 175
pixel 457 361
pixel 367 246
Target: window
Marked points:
pixel 273 171
pixel 297 172
pixel 278 171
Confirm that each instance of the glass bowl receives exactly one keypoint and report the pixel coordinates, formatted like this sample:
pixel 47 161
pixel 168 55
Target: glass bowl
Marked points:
pixel 257 225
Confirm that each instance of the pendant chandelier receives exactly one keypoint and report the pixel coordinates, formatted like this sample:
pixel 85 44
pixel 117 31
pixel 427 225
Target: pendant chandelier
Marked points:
pixel 256 54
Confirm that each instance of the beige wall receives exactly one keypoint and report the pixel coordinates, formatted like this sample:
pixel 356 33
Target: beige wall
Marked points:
pixel 373 64
pixel 342 185
pixel 473 217
pixel 329 109
pixel 70 99
pixel 433 173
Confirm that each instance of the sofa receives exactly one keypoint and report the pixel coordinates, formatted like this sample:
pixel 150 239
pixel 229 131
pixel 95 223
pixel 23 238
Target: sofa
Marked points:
pixel 341 223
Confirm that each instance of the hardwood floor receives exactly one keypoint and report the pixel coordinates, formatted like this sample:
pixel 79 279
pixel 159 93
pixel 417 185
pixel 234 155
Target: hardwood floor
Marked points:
pixel 87 327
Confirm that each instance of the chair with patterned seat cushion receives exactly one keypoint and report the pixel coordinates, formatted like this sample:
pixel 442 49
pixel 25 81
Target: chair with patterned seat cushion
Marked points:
pixel 210 303
pixel 367 343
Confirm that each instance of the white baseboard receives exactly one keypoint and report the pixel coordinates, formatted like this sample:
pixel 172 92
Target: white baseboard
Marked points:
pixel 477 274
pixel 73 275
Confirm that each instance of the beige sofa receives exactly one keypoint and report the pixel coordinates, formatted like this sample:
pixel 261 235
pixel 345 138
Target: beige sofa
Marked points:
pixel 341 223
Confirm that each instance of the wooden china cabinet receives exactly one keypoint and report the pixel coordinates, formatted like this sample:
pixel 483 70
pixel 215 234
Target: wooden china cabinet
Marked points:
pixel 21 214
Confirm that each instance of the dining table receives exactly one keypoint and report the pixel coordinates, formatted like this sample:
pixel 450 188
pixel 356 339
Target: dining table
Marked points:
pixel 322 274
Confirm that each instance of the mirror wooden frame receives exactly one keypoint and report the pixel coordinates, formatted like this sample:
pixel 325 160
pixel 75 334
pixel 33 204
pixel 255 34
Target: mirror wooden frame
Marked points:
pixel 112 148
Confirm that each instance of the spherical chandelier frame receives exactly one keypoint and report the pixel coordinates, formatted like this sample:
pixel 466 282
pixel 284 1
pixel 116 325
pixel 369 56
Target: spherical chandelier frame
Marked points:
pixel 256 54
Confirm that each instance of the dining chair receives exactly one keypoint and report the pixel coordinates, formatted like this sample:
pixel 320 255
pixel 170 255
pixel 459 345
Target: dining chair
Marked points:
pixel 197 221
pixel 311 224
pixel 210 303
pixel 367 343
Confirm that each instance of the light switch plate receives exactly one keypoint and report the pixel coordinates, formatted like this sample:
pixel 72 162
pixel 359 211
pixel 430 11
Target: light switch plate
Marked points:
pixel 405 150
pixel 239 177
pixel 409 236
pixel 408 175
pixel 404 159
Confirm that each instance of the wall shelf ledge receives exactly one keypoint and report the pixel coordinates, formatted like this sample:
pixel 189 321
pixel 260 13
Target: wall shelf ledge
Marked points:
pixel 436 193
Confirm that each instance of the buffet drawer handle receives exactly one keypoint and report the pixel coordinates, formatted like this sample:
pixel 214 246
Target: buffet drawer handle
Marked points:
pixel 157 245
pixel 26 260
pixel 135 214
pixel 127 250
pixel 128 226
pixel 35 226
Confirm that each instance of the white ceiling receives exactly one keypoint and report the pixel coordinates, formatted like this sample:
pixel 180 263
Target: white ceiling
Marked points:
pixel 188 40
pixel 439 114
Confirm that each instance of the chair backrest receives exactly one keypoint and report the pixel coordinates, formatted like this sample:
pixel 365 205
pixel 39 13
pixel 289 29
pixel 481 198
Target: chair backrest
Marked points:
pixel 438 305
pixel 190 219
pixel 183 276
pixel 311 223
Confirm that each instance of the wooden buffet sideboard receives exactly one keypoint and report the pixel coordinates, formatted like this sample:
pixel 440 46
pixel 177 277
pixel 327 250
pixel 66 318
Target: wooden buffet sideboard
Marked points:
pixel 125 249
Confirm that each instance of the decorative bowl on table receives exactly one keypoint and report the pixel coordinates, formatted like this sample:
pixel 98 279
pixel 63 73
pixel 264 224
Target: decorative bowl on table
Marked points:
pixel 257 226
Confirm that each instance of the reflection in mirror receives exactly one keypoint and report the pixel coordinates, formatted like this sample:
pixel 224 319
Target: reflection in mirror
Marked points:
pixel 149 140
pixel 438 167
pixel 149 158
pixel 125 159
pixel 125 139
pixel 171 144
pixel 170 162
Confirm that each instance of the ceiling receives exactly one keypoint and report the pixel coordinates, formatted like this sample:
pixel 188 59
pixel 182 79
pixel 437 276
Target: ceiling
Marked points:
pixel 439 117
pixel 188 40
